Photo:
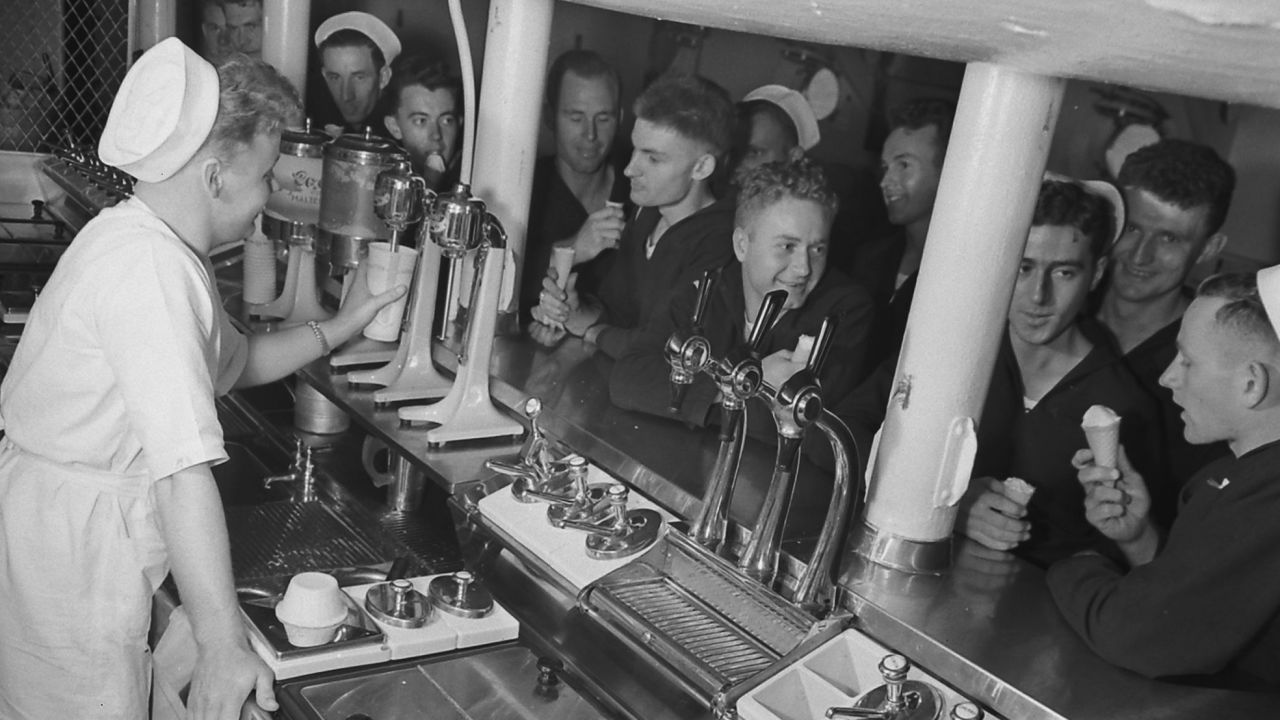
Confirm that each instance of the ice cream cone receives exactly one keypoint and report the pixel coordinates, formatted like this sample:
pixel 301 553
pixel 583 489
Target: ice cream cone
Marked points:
pixel 1101 427
pixel 1019 490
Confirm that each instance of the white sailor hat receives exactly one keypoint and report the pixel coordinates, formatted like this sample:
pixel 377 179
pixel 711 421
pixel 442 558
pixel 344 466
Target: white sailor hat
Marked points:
pixel 1106 191
pixel 365 24
pixel 162 114
pixel 795 106
pixel 1269 293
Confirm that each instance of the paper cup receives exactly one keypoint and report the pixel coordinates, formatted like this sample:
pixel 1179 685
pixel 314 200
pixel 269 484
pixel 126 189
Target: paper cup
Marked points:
pixel 312 609
pixel 562 261
pixel 804 348
pixel 388 270
pixel 259 270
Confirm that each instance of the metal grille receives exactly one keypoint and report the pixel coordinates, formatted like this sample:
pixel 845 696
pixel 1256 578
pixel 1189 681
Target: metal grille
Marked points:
pixel 61 63
pixel 695 628
pixel 279 538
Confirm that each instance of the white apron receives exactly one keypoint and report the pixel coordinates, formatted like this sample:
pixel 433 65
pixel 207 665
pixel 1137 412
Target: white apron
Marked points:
pixel 85 549
pixel 111 388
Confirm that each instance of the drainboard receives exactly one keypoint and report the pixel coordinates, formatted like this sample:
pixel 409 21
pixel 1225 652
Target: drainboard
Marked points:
pixel 493 684
pixel 287 537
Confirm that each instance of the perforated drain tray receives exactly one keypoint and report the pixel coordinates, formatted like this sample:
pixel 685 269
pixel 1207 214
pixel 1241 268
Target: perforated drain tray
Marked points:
pixel 692 611
pixel 293 537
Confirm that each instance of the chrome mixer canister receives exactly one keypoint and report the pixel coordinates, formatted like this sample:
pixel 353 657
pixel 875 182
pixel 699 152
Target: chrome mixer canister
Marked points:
pixel 293 208
pixel 348 220
pixel 398 198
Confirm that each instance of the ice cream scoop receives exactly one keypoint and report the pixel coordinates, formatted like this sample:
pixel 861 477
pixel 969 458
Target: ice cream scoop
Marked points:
pixel 1101 427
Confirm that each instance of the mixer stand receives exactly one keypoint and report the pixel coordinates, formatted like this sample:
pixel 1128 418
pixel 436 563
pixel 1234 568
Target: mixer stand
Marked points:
pixel 467 412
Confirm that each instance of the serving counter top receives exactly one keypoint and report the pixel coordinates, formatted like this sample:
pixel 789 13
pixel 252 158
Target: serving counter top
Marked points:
pixel 988 627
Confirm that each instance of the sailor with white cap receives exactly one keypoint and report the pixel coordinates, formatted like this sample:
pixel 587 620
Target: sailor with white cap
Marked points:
pixel 108 405
pixel 1219 560
pixel 780 125
pixel 356 52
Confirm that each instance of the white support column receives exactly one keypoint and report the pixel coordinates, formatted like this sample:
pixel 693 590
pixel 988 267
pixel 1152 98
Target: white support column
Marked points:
pixel 286 37
pixel 155 20
pixel 995 159
pixel 510 108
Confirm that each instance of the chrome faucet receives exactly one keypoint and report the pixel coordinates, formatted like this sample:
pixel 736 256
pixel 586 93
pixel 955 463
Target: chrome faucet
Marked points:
pixel 739 376
pixel 302 471
pixel 898 699
pixel 795 406
pixel 619 532
pixel 690 354
pixel 537 471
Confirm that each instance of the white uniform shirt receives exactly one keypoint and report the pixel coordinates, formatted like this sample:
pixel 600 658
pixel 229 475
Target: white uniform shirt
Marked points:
pixel 124 353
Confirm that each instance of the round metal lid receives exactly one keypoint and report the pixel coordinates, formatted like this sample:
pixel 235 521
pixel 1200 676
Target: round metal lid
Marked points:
pixel 303 142
pixel 397 604
pixel 459 594
pixel 365 149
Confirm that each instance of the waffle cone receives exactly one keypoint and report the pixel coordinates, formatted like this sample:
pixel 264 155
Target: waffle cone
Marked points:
pixel 1104 441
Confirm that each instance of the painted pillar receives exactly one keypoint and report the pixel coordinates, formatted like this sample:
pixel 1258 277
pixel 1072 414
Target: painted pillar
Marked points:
pixel 519 35
pixel 154 20
pixel 995 159
pixel 286 37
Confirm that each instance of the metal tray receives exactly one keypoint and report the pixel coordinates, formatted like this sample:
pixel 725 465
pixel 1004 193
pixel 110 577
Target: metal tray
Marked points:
pixel 259 611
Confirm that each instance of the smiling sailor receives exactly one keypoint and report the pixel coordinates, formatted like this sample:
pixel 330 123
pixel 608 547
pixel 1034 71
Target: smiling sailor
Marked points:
pixel 108 406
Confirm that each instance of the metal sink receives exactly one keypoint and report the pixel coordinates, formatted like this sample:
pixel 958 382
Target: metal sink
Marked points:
pixel 489 684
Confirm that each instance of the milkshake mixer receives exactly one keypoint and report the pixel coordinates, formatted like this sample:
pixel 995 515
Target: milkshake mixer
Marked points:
pixel 404 199
pixel 460 223
pixel 290 220
pixel 349 221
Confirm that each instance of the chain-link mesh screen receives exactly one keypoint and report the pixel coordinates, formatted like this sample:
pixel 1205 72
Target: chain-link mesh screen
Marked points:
pixel 61 62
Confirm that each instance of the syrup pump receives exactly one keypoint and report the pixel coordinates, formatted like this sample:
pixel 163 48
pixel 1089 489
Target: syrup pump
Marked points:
pixel 461 223
pixel 740 377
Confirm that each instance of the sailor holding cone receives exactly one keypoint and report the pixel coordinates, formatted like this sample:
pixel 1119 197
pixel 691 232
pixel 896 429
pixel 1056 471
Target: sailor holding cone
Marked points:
pixel 108 406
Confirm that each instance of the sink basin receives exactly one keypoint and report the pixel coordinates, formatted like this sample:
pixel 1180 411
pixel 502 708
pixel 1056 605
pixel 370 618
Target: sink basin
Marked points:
pixel 489 684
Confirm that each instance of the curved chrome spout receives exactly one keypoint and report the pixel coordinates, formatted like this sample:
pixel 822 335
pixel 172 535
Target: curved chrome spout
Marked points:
pixel 845 497
pixel 796 406
pixel 740 377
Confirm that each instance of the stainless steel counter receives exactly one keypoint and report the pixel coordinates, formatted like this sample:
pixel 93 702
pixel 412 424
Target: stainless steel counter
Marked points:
pixel 988 627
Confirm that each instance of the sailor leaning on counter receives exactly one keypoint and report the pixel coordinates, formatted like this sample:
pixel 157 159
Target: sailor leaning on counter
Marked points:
pixel 108 406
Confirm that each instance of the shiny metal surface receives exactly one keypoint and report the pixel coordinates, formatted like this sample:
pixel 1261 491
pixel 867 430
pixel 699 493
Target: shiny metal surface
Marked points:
pixel 495 684
pixel 987 627
pixel 900 553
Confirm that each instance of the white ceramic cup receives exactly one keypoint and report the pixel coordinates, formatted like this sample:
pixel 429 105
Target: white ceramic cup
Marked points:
pixel 388 270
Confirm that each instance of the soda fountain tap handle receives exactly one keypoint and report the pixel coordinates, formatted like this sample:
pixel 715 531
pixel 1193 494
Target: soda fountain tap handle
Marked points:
pixel 687 356
pixel 770 308
pixel 822 344
pixel 705 286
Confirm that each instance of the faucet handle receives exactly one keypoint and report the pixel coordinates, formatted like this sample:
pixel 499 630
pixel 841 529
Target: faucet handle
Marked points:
pixel 537 453
pixel 822 344
pixel 766 315
pixel 893 669
pixel 705 286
